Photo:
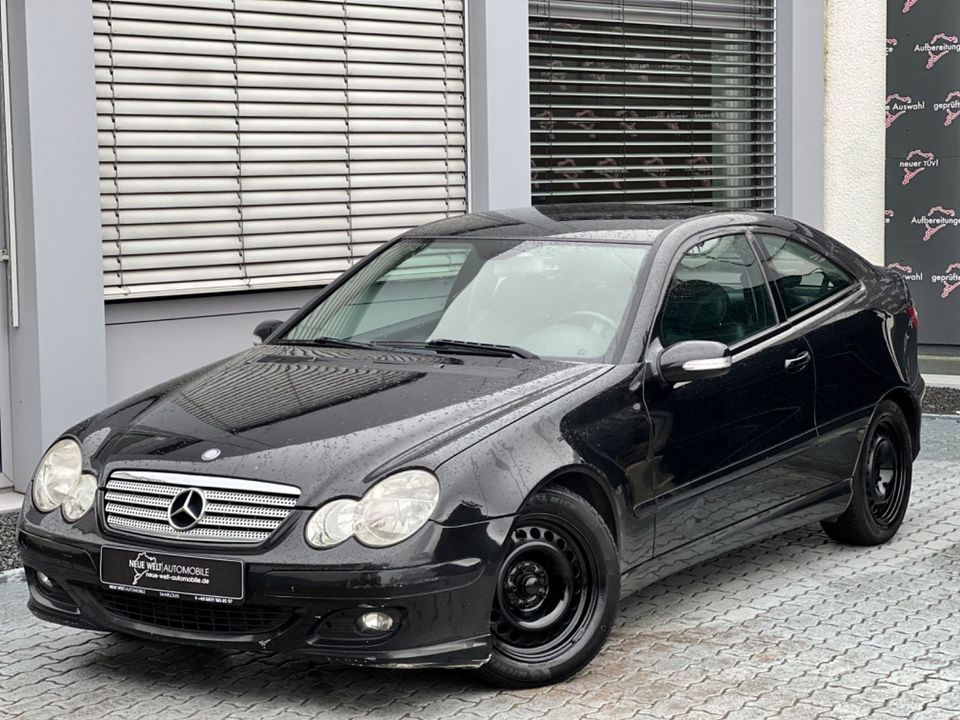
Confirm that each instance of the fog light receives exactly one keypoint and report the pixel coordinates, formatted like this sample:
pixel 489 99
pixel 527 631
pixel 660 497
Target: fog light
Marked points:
pixel 376 622
pixel 44 580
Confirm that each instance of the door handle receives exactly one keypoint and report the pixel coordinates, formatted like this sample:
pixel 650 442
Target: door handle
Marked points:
pixel 797 362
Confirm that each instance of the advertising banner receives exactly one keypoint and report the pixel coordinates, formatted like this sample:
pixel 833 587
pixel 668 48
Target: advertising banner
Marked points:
pixel 923 159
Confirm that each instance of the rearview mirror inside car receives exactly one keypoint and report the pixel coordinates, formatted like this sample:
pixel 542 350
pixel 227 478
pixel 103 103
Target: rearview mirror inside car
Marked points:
pixel 694 360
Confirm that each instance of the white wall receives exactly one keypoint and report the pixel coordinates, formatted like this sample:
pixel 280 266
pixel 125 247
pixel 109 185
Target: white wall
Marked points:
pixel 855 141
pixel 152 341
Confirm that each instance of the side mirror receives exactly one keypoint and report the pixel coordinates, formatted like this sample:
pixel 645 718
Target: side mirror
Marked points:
pixel 266 329
pixel 693 360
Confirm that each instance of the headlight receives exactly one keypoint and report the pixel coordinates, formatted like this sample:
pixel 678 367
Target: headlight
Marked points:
pixel 331 524
pixel 390 512
pixel 395 508
pixel 58 472
pixel 80 499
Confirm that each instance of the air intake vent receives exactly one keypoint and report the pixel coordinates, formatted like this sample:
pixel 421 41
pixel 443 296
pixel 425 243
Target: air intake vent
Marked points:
pixel 191 615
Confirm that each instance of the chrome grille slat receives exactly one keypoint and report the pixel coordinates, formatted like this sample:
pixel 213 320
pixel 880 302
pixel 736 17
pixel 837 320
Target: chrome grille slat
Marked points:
pixel 144 488
pixel 138 512
pixel 242 522
pixel 250 498
pixel 247 510
pixel 138 502
pixel 201 533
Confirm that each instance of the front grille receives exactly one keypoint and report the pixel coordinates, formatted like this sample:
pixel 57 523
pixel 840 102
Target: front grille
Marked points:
pixel 192 615
pixel 236 511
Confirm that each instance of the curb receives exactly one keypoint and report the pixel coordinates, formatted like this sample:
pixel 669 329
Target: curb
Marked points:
pixel 9 576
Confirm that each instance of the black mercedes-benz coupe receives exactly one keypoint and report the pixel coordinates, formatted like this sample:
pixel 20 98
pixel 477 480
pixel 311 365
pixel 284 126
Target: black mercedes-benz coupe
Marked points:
pixel 464 451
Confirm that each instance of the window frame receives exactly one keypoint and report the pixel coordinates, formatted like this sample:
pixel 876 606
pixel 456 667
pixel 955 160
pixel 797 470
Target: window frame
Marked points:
pixel 685 246
pixel 856 283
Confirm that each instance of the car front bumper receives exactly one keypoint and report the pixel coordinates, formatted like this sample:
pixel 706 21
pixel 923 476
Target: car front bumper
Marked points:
pixel 441 610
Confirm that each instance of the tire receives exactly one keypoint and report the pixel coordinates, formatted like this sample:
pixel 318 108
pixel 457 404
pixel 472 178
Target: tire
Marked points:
pixel 881 486
pixel 557 592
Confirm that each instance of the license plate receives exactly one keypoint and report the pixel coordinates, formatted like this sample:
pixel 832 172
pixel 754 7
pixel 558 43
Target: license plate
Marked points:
pixel 149 572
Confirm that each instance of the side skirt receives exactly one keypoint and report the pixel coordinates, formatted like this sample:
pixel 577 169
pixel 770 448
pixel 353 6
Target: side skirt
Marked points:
pixel 819 505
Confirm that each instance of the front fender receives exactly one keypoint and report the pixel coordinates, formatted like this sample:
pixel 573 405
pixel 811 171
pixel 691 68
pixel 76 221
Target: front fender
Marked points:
pixel 596 435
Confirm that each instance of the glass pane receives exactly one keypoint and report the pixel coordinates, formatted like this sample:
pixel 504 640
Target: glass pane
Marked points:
pixel 717 293
pixel 803 276
pixel 551 298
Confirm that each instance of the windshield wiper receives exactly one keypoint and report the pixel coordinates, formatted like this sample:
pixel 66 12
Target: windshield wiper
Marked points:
pixel 463 346
pixel 324 341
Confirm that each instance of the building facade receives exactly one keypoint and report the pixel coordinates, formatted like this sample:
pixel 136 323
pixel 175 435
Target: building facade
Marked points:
pixel 176 171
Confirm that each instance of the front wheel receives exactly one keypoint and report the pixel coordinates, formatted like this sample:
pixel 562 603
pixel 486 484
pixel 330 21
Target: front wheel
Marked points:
pixel 881 487
pixel 557 592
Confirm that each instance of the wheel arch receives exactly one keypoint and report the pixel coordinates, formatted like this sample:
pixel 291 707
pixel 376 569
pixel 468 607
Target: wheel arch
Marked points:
pixel 594 489
pixel 911 411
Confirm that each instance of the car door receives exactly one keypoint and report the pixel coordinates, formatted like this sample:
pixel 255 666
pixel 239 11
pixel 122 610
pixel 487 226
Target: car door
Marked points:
pixel 727 447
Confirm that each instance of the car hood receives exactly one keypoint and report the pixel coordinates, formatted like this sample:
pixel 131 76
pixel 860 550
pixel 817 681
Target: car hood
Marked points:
pixel 327 420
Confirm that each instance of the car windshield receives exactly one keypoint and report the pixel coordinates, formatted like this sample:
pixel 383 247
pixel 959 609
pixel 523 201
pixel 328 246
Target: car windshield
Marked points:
pixel 545 298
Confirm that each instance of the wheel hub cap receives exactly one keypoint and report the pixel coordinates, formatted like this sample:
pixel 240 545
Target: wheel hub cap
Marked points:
pixel 526 585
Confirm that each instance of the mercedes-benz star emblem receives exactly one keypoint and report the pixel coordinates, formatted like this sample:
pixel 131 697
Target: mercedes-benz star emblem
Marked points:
pixel 211 454
pixel 186 509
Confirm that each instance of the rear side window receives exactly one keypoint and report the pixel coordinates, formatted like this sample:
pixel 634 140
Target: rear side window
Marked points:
pixel 718 292
pixel 803 276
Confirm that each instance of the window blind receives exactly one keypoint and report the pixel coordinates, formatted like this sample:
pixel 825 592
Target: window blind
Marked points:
pixel 667 101
pixel 272 143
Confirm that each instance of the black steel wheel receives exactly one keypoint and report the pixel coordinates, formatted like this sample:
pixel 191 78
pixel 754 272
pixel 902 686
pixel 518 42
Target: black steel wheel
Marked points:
pixel 881 486
pixel 557 592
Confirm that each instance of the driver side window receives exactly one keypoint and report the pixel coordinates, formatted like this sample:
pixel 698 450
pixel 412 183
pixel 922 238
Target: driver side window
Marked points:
pixel 718 293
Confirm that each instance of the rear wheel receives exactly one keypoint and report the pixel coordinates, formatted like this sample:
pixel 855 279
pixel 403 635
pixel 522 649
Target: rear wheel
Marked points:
pixel 881 487
pixel 557 592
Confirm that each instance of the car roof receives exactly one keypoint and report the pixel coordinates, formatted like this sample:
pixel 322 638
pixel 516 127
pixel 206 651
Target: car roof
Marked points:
pixel 622 222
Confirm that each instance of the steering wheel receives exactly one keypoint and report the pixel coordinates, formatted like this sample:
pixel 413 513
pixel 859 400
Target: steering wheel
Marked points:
pixel 587 319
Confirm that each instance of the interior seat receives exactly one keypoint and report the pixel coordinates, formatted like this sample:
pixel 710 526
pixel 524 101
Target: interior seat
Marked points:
pixel 695 310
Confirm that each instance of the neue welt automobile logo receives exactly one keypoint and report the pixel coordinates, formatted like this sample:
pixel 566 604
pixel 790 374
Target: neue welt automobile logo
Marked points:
pixel 916 162
pixel 951 106
pixel 141 565
pixel 906 270
pixel 939 47
pixel 936 219
pixel 950 280
pixel 908 5
pixel 900 105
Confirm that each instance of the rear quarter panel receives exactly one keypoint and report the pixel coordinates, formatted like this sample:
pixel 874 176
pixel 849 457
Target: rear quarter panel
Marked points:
pixel 863 353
